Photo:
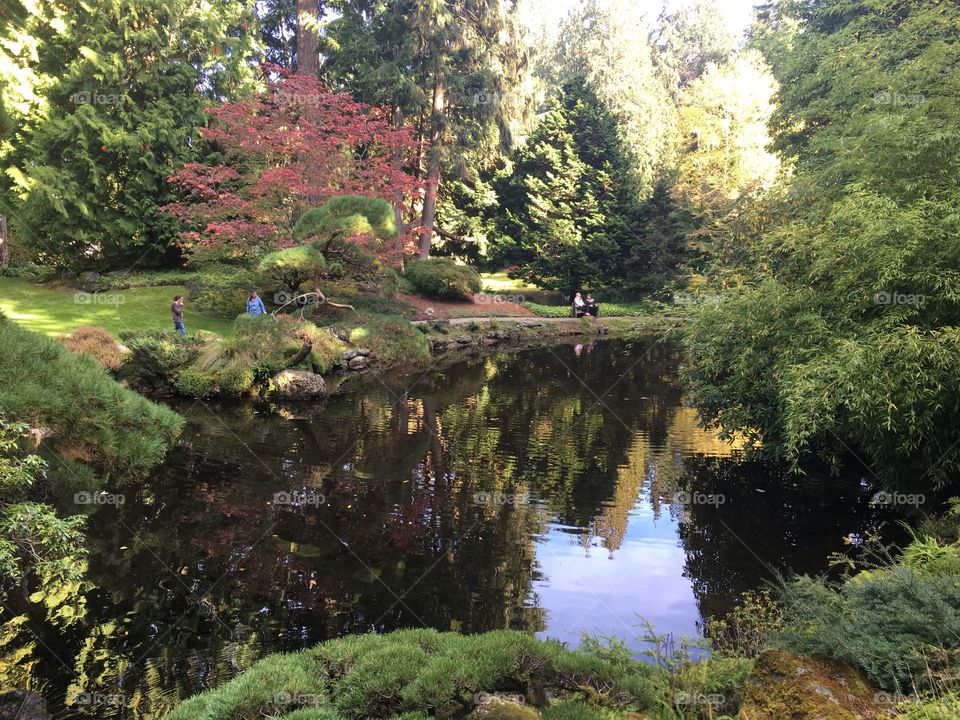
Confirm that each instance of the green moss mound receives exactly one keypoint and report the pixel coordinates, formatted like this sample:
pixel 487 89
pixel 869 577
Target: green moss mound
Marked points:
pixel 412 674
pixel 391 338
pixel 443 278
pixel 90 416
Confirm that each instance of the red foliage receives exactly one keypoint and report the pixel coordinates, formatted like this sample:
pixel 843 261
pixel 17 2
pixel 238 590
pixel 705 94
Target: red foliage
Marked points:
pixel 280 153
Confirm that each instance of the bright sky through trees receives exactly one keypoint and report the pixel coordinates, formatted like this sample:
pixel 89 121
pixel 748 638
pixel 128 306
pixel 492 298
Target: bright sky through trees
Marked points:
pixel 546 14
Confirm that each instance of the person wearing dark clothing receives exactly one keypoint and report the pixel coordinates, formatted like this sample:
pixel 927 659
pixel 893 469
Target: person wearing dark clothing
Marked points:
pixel 177 310
pixel 590 305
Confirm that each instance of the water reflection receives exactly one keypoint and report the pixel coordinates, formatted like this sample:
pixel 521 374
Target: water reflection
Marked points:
pixel 538 490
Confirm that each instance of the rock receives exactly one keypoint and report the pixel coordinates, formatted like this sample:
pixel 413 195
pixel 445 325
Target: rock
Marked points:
pixel 23 705
pixel 356 352
pixel 87 280
pixel 789 687
pixel 464 340
pixel 297 385
pixel 497 709
pixel 358 362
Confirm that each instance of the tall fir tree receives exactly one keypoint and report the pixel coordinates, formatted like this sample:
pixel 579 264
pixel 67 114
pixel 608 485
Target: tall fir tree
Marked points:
pixel 450 67
pixel 559 199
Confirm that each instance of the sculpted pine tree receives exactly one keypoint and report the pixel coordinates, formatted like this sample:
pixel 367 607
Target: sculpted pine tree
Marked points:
pixel 350 236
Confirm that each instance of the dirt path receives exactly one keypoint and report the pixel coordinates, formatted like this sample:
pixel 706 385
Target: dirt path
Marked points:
pixel 529 320
pixel 481 306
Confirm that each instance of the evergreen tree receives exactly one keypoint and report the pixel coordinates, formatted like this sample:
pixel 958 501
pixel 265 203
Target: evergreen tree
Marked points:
pixel 606 44
pixel 114 96
pixel 557 204
pixel 450 67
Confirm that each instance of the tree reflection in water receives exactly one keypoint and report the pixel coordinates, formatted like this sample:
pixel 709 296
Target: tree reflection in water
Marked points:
pixel 471 500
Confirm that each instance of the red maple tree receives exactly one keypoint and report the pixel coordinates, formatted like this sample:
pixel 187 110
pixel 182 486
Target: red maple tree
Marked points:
pixel 274 155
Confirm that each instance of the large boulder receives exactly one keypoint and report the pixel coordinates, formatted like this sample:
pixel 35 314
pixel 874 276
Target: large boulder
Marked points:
pixel 790 687
pixel 297 385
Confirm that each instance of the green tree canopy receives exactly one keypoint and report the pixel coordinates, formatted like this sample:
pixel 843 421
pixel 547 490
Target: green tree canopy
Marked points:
pixel 106 99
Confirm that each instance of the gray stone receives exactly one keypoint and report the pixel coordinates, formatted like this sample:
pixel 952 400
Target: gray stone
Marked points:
pixel 87 280
pixel 358 362
pixel 297 385
pixel 356 352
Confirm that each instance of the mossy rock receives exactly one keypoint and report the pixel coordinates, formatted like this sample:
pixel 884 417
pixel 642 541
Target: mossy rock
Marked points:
pixel 789 687
pixel 497 709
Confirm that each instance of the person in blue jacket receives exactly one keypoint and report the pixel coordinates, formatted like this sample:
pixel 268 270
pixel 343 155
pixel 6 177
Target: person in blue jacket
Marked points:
pixel 255 304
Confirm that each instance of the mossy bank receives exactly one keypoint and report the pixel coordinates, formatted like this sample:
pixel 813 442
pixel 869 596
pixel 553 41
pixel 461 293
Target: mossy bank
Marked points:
pixel 287 358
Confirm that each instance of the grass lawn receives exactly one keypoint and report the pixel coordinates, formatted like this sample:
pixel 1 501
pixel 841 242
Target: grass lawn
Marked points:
pixel 501 283
pixel 54 311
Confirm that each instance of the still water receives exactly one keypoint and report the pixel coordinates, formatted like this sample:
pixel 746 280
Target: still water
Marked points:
pixel 559 490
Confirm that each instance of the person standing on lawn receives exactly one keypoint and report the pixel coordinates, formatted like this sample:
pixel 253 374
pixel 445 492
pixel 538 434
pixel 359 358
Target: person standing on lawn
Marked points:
pixel 255 304
pixel 176 308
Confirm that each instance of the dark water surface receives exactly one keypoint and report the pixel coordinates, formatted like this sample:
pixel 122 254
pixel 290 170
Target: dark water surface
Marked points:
pixel 556 490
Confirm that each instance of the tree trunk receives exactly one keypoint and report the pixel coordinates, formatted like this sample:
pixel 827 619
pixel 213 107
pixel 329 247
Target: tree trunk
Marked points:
pixel 433 173
pixel 308 47
pixel 398 199
pixel 4 242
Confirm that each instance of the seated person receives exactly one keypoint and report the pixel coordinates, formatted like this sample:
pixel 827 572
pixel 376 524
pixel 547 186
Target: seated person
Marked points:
pixel 578 306
pixel 590 305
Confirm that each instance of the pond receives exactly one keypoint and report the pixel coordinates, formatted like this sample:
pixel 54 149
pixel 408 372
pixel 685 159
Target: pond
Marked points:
pixel 560 490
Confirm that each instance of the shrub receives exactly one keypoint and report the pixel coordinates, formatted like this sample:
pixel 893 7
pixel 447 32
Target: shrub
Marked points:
pixel 943 708
pixel 221 290
pixel 891 623
pixel 234 382
pixel 415 671
pixel 30 271
pixel 96 343
pixel 745 631
pixel 193 382
pixel 638 309
pixel 149 278
pixel 390 338
pixel 88 412
pixel 444 278
pixel 158 354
